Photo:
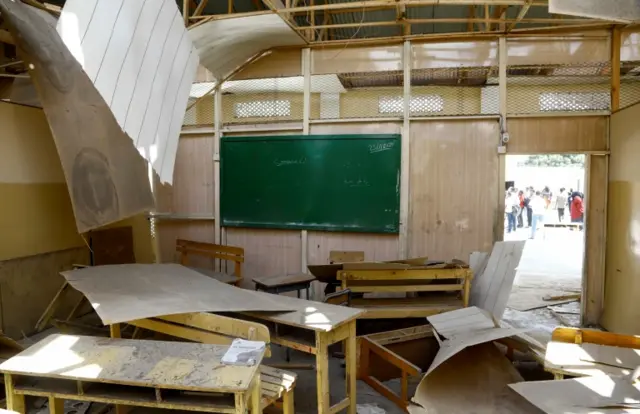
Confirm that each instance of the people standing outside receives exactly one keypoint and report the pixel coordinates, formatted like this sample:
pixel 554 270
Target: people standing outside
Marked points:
pixel 577 208
pixel 511 206
pixel 521 205
pixel 561 202
pixel 538 205
pixel 546 195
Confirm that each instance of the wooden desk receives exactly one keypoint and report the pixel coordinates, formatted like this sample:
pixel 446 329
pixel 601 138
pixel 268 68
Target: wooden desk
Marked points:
pixel 173 375
pixel 285 283
pixel 312 328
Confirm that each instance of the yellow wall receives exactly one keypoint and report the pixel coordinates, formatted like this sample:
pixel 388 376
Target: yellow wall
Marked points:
pixel 35 213
pixel 622 283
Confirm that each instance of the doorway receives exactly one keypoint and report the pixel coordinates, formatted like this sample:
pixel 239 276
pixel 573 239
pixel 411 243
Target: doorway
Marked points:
pixel 548 280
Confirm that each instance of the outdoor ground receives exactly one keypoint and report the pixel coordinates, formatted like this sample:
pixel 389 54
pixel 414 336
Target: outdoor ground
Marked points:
pixel 550 265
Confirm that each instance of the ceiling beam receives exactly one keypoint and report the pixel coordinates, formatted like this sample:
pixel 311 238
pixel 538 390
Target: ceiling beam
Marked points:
pixel 200 8
pixel 472 15
pixel 523 11
pixel 369 4
pixel 568 23
pixel 487 23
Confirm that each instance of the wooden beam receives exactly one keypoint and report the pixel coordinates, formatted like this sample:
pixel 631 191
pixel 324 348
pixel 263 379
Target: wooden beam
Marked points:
pixel 487 23
pixel 444 20
pixel 370 4
pixel 5 37
pixel 200 8
pixel 500 12
pixel 185 12
pixel 229 6
pixel 523 11
pixel 472 15
pixel 615 68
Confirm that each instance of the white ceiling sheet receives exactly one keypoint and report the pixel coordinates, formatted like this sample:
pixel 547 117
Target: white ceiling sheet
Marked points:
pixel 224 45
pixel 142 62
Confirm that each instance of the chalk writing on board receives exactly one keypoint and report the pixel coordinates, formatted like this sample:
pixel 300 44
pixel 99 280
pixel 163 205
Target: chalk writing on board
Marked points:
pixel 360 182
pixel 299 161
pixel 373 148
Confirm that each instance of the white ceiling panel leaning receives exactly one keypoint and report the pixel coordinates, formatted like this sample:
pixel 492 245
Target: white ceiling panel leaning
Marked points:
pixel 225 45
pixel 142 62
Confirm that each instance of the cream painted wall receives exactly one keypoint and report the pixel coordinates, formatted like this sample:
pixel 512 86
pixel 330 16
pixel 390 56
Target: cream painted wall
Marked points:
pixel 35 213
pixel 622 283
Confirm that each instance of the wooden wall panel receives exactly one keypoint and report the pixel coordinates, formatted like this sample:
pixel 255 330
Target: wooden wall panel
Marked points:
pixel 622 280
pixel 595 242
pixel 570 134
pixel 267 252
pixel 28 284
pixel 376 247
pixel 192 193
pixel 454 184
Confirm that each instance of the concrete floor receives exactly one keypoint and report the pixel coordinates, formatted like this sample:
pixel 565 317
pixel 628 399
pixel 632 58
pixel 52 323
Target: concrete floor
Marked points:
pixel 550 265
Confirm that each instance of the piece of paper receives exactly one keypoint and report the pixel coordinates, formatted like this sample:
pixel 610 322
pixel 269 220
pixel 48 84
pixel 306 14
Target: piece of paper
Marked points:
pixel 244 353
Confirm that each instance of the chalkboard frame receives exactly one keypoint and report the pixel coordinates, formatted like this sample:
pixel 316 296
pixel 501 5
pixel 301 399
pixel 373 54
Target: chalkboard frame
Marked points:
pixel 395 229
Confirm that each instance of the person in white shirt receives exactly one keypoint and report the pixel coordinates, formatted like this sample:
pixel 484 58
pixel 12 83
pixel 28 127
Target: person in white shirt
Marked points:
pixel 538 207
pixel 511 207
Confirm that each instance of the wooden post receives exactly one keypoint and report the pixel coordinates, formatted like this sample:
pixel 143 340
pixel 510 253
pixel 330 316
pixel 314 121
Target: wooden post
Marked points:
pixel 350 362
pixel 405 154
pixel 56 405
pixel 256 396
pixel 114 330
pixel 185 12
pixel 615 68
pixel 217 127
pixel 306 115
pixel 322 371
pixel 15 402
pixel 502 92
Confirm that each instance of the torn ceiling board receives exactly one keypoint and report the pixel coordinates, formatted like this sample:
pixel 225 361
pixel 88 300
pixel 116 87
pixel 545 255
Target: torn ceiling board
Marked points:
pixel 463 335
pixel 589 395
pixel 490 290
pixel 106 177
pixel 474 381
pixel 225 45
pixel 141 59
pixel 589 359
pixel 121 293
pixel 625 11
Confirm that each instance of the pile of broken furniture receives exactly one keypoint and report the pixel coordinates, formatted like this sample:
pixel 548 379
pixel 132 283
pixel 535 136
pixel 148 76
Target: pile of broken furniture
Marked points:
pixel 464 355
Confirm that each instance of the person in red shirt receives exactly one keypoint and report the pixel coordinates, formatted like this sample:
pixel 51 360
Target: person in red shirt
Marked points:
pixel 577 209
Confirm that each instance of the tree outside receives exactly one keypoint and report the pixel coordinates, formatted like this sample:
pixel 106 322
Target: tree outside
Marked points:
pixel 554 160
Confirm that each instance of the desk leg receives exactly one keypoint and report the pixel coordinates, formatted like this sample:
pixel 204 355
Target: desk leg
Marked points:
pixel 256 396
pixel 15 402
pixel 467 291
pixel 287 402
pixel 322 372
pixel 241 406
pixel 56 405
pixel 350 362
pixel 114 330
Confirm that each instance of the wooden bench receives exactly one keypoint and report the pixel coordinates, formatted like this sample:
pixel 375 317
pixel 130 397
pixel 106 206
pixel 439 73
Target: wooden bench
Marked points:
pixel 276 384
pixel 188 248
pixel 428 290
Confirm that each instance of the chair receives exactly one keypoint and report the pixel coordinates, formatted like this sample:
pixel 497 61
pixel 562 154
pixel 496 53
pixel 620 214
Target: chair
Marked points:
pixel 188 248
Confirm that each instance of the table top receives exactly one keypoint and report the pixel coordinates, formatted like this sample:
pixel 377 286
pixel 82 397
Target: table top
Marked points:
pixel 157 364
pixel 308 314
pixel 284 280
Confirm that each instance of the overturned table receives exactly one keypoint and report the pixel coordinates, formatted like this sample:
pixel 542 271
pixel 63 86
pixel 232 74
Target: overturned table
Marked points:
pixel 173 375
pixel 137 294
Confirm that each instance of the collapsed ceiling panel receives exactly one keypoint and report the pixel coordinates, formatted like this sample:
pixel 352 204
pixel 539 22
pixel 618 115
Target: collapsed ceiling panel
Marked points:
pixel 106 177
pixel 626 11
pixel 141 60
pixel 225 45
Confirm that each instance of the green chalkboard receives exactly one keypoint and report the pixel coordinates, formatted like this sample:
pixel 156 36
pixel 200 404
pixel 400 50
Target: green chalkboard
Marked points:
pixel 314 182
